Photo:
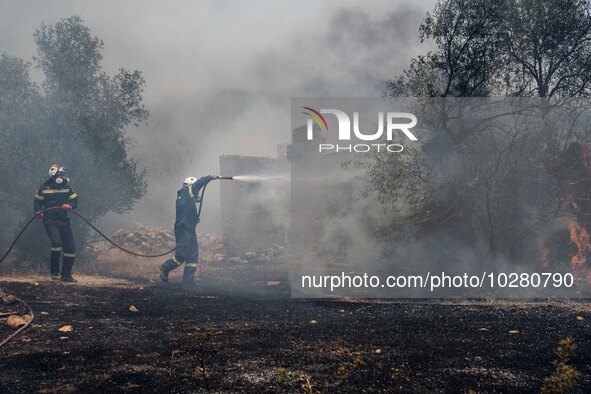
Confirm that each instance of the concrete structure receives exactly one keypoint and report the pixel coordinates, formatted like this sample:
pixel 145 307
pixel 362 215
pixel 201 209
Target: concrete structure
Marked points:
pixel 302 211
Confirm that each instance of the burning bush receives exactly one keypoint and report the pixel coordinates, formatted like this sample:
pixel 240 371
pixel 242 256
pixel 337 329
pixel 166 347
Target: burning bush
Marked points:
pixel 572 169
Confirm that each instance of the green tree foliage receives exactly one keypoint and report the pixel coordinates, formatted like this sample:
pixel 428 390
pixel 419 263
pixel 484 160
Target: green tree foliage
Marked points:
pixel 502 48
pixel 77 118
pixel 463 63
pixel 547 45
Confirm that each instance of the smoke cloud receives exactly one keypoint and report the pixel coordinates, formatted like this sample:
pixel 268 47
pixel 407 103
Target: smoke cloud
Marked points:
pixel 220 74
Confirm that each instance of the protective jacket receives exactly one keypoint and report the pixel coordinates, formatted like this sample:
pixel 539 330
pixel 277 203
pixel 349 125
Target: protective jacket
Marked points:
pixel 186 208
pixel 187 249
pixel 186 221
pixel 51 194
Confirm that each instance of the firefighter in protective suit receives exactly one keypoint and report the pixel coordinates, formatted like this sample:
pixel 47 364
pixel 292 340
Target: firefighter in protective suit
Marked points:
pixel 57 192
pixel 184 230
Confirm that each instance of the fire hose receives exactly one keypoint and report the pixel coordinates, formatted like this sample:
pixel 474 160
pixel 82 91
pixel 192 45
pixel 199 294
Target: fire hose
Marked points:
pixel 101 233
pixel 32 315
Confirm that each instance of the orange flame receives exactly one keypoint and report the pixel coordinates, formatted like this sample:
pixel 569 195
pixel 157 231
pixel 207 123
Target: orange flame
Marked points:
pixel 579 236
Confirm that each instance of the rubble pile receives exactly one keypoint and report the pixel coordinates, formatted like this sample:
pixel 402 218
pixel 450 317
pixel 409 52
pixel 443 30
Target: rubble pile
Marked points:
pixel 153 239
pixel 145 239
pixel 209 246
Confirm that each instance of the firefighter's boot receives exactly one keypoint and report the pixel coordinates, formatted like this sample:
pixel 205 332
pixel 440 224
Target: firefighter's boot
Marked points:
pixel 189 274
pixel 67 265
pixel 54 262
pixel 165 269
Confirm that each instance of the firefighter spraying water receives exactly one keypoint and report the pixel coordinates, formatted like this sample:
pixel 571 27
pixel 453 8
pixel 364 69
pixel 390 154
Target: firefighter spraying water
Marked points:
pixel 187 217
pixel 189 202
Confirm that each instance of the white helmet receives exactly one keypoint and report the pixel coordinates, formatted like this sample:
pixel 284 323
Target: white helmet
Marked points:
pixel 189 181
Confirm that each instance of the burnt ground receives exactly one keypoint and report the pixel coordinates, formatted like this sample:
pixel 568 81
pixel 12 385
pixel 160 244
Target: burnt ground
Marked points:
pixel 258 339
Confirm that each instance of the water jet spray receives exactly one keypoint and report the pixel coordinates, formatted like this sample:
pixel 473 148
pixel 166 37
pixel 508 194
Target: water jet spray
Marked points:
pixel 259 178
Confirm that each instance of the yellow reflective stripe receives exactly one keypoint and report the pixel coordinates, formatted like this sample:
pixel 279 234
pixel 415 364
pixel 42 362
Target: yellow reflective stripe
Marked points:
pixel 73 196
pixel 69 254
pixel 191 265
pixel 191 191
pixel 38 197
pixel 53 191
pixel 56 249
pixel 176 261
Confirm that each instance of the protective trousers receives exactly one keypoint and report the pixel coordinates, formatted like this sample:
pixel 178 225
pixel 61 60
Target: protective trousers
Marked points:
pixel 186 252
pixel 61 237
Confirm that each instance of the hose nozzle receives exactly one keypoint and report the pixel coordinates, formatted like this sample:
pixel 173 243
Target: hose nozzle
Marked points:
pixel 226 177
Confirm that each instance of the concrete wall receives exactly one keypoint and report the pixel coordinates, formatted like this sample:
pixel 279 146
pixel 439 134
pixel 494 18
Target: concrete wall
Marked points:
pixel 309 211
